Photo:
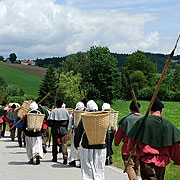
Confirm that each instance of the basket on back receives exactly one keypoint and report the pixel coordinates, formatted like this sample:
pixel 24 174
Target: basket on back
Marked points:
pixel 70 110
pixel 24 109
pixel 77 117
pixel 113 119
pixel 34 121
pixel 95 125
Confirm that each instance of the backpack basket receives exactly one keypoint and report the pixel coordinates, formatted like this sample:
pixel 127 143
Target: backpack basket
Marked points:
pixel 34 121
pixel 95 125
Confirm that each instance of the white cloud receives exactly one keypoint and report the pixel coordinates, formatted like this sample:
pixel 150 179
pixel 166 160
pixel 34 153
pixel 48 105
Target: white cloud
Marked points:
pixel 39 29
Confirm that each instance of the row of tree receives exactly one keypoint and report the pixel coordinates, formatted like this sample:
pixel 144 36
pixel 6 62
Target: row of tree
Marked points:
pixel 96 74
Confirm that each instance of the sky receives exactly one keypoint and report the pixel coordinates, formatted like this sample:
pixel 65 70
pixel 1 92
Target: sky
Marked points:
pixel 55 28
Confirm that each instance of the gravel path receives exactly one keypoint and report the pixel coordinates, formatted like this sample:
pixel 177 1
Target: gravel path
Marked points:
pixel 14 166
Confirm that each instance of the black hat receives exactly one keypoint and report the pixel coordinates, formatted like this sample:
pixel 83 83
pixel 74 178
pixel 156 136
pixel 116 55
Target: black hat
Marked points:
pixel 13 106
pixel 38 100
pixel 59 103
pixel 157 105
pixel 132 106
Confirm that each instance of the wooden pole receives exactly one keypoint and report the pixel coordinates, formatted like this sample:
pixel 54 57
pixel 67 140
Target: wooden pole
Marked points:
pixel 44 98
pixel 55 99
pixel 162 77
pixel 132 91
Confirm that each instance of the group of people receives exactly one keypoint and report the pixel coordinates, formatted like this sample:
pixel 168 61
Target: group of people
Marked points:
pixel 61 124
pixel 149 142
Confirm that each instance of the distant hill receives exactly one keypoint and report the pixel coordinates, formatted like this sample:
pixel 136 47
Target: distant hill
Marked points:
pixel 34 70
pixel 27 81
pixel 159 59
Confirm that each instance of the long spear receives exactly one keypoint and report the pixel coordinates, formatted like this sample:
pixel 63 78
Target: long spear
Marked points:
pixel 55 99
pixel 132 91
pixel 162 77
pixel 138 110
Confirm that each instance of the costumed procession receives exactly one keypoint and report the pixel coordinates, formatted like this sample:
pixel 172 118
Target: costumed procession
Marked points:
pixel 88 134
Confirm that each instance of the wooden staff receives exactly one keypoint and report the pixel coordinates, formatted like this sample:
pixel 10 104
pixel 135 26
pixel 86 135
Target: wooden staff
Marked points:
pixel 132 91
pixel 44 98
pixel 138 110
pixel 162 77
pixel 55 99
pixel 154 96
pixel 20 108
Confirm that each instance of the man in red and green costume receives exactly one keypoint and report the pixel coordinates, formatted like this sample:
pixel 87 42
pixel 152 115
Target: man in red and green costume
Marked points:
pixel 157 142
pixel 125 125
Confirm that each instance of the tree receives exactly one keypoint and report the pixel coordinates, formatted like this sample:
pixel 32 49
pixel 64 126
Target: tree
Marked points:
pixel 137 61
pixel 103 75
pixel 49 84
pixel 12 57
pixel 69 88
pixel 1 58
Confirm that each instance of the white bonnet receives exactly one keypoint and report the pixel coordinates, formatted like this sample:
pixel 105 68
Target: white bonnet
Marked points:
pixel 63 105
pixel 91 106
pixel 80 106
pixel 34 106
pixel 106 106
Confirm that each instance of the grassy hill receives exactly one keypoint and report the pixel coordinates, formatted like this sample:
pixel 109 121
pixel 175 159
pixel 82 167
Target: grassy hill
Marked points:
pixel 26 81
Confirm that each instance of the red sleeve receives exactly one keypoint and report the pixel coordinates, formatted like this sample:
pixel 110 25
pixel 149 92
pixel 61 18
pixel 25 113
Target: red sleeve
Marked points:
pixel 175 153
pixel 118 136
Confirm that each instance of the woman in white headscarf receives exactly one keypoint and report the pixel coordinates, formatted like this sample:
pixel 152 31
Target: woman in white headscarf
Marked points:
pixel 75 153
pixel 92 156
pixel 109 137
pixel 33 139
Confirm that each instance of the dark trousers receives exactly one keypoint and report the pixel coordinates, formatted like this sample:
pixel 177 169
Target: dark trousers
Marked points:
pixel 3 128
pixel 45 137
pixel 109 141
pixel 19 131
pixel 55 144
pixel 12 132
pixel 151 172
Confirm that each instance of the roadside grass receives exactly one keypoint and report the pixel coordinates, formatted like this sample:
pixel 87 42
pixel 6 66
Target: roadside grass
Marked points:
pixel 170 112
pixel 29 83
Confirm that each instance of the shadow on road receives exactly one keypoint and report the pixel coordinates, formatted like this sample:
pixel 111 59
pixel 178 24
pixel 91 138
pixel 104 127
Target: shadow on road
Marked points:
pixel 17 163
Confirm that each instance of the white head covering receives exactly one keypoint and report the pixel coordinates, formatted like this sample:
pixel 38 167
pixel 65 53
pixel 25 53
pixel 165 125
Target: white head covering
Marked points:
pixel 34 106
pixel 106 106
pixel 63 105
pixel 91 106
pixel 80 106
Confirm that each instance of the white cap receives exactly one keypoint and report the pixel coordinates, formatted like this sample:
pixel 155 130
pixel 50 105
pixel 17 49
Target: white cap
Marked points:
pixel 106 106
pixel 63 105
pixel 80 106
pixel 91 106
pixel 34 106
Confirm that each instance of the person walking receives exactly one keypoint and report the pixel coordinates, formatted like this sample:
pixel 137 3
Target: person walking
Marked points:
pixel 157 141
pixel 93 157
pixel 33 139
pixel 125 124
pixel 75 153
pixel 58 121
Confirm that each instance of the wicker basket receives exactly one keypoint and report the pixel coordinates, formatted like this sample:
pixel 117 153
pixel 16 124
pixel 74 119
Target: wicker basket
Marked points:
pixel 34 121
pixel 77 117
pixel 113 119
pixel 70 110
pixel 24 109
pixel 95 125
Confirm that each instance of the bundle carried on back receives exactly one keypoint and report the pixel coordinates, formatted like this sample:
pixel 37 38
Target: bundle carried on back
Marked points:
pixel 34 121
pixel 25 108
pixel 113 117
pixel 95 125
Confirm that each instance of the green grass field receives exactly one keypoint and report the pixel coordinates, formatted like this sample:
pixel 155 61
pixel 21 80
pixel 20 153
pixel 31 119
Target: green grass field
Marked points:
pixel 170 112
pixel 29 83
